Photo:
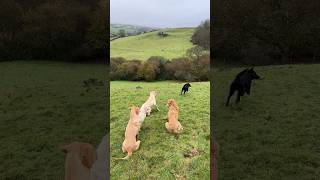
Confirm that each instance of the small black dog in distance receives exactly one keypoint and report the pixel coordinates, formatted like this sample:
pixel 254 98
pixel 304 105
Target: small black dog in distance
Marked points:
pixel 242 84
pixel 185 88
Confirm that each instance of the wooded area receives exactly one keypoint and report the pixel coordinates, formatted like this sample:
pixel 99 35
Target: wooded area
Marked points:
pixel 264 32
pixel 69 30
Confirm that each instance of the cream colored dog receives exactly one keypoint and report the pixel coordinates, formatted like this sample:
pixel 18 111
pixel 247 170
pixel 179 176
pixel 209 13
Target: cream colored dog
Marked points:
pixel 173 125
pixel 146 108
pixel 80 158
pixel 130 142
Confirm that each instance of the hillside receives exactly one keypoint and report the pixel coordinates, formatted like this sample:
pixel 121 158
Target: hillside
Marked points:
pixel 273 133
pixel 129 29
pixel 151 44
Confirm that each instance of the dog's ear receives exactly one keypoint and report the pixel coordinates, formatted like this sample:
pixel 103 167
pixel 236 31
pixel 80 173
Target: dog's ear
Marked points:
pixel 137 110
pixel 88 155
pixel 65 148
pixel 251 69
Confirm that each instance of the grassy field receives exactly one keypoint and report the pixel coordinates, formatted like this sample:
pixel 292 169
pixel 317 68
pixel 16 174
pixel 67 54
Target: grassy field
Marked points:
pixel 273 133
pixel 42 105
pixel 161 155
pixel 143 46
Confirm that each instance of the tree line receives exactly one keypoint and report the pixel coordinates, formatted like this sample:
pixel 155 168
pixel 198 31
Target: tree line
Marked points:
pixel 266 32
pixel 69 30
pixel 159 68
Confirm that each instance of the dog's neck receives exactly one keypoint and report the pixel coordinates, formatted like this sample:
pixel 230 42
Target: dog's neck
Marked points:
pixel 135 121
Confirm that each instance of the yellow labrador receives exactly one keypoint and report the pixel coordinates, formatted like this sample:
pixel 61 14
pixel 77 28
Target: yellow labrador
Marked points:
pixel 79 160
pixel 146 108
pixel 173 125
pixel 130 143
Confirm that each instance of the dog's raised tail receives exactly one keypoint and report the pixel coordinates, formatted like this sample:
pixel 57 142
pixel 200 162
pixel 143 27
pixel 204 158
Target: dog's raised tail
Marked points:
pixel 124 158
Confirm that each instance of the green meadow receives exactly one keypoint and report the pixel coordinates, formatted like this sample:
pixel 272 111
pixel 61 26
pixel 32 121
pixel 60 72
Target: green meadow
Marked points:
pixel 273 133
pixel 143 46
pixel 45 104
pixel 161 155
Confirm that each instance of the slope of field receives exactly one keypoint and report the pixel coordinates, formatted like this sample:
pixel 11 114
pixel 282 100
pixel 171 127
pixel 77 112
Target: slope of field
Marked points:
pixel 44 105
pixel 273 133
pixel 150 44
pixel 161 155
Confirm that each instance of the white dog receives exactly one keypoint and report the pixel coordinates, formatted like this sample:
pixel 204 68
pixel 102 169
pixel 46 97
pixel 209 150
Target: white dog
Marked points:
pixel 146 108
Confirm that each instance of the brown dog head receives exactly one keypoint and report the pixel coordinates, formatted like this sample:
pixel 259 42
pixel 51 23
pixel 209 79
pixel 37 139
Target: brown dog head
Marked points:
pixel 85 151
pixel 172 103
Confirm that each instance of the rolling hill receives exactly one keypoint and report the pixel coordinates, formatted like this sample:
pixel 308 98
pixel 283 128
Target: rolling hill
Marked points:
pixel 129 29
pixel 151 44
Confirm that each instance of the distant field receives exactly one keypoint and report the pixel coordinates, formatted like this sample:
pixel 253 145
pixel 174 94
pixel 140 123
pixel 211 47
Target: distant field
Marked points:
pixel 42 105
pixel 161 155
pixel 114 28
pixel 150 44
pixel 273 133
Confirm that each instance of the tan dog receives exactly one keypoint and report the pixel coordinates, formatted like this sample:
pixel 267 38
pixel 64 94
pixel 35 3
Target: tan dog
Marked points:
pixel 80 158
pixel 130 142
pixel 173 125
pixel 146 108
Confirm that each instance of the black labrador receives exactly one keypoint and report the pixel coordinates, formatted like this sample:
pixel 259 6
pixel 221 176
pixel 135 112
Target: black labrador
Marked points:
pixel 242 83
pixel 185 88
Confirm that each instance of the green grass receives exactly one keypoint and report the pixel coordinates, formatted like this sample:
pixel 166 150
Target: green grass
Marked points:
pixel 273 133
pixel 161 155
pixel 143 46
pixel 42 105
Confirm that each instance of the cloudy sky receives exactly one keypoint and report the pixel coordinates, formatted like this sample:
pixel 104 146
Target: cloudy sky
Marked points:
pixel 160 13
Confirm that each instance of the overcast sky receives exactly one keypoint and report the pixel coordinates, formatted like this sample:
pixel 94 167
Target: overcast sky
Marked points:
pixel 160 13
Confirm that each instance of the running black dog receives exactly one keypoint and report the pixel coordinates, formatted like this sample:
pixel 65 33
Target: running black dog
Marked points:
pixel 242 83
pixel 185 88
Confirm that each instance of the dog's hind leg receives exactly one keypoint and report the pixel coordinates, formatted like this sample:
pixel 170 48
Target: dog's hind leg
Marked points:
pixel 232 90
pixel 137 145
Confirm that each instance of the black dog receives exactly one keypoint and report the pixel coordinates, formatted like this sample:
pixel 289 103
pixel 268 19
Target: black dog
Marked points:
pixel 242 83
pixel 185 88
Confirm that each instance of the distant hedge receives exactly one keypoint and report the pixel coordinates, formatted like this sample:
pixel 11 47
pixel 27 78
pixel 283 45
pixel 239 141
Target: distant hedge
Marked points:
pixel 69 30
pixel 260 32
pixel 159 68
